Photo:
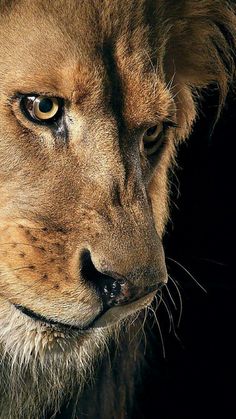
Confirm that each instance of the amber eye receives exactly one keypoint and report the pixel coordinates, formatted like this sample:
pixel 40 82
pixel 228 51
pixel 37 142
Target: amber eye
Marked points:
pixel 151 139
pixel 41 108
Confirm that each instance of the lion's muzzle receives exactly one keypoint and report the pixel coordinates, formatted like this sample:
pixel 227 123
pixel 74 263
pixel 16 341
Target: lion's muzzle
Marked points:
pixel 114 289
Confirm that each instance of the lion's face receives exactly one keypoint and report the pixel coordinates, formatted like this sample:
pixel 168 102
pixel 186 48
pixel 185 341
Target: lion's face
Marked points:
pixel 79 234
pixel 83 199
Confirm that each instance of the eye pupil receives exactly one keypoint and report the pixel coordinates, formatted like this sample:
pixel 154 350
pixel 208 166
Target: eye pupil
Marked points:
pixel 151 131
pixel 45 105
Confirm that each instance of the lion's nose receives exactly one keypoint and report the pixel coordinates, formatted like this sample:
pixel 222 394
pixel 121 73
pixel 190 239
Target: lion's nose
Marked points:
pixel 112 288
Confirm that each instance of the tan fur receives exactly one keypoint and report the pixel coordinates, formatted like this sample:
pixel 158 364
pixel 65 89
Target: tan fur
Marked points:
pixel 121 66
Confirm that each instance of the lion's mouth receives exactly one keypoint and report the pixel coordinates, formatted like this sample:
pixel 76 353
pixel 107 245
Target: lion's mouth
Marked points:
pixel 118 313
pixel 104 319
pixel 42 319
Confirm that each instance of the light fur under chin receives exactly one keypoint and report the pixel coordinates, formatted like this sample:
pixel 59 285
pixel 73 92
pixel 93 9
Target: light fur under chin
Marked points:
pixel 42 366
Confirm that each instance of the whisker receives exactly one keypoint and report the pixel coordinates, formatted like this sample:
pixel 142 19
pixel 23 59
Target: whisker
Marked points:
pixel 170 296
pixel 140 328
pixel 160 332
pixel 186 270
pixel 157 303
pixel 172 321
pixel 180 300
pixel 216 262
pixel 15 269
pixel 19 224
pixel 22 244
pixel 169 85
pixel 176 94
pixel 25 287
pixel 169 314
pixel 143 330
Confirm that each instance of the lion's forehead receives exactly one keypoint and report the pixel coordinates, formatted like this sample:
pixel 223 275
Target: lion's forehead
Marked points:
pixel 97 55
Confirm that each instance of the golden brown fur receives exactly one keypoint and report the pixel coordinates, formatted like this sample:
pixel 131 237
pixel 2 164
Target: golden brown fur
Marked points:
pixel 120 66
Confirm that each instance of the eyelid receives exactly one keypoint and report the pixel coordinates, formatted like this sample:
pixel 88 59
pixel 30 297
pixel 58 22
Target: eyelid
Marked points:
pixel 20 94
pixel 169 123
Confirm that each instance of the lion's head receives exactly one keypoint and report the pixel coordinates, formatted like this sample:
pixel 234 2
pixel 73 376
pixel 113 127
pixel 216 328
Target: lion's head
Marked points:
pixel 94 98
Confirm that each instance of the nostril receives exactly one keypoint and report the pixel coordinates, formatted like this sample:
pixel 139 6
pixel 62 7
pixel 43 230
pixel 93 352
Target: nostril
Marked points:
pixel 107 287
pixel 112 288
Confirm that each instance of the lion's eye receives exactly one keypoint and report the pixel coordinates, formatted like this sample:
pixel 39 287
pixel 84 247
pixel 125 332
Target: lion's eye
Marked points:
pixel 41 108
pixel 151 139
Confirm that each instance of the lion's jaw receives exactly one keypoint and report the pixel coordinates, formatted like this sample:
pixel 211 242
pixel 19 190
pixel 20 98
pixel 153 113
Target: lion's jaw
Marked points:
pixel 42 365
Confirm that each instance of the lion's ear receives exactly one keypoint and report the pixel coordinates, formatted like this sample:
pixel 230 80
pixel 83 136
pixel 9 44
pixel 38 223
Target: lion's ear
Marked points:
pixel 202 43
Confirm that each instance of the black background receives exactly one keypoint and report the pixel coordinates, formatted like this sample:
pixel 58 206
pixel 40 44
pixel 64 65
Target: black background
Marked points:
pixel 197 377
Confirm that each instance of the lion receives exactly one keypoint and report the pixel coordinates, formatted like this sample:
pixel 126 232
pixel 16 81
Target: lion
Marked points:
pixel 95 97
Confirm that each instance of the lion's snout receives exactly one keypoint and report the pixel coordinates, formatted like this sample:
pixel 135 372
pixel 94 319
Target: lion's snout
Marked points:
pixel 115 289
pixel 125 263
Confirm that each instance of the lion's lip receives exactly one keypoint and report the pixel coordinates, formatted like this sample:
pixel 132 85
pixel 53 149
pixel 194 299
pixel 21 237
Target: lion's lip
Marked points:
pixel 117 313
pixel 103 319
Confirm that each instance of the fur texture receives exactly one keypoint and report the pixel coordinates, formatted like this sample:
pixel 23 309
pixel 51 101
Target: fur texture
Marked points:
pixel 121 67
